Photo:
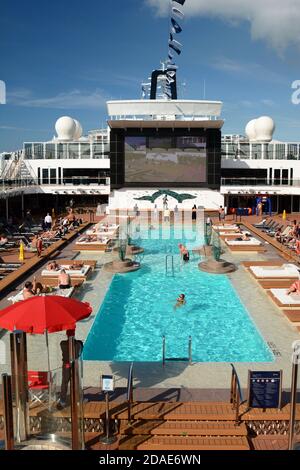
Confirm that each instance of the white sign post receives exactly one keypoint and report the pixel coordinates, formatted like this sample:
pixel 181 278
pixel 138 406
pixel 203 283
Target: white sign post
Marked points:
pixel 108 386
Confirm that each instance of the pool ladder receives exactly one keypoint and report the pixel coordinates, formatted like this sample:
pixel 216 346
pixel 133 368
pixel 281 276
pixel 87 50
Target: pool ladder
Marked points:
pixel 170 266
pixel 176 359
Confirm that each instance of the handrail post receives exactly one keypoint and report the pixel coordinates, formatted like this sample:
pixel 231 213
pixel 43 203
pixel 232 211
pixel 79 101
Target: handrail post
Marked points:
pixel 237 411
pixel 74 395
pixel 296 357
pixel 164 351
pixel 190 350
pixel 130 392
pixel 231 386
pixel 8 412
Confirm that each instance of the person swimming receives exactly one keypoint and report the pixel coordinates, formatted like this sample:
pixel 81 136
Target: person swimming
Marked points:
pixel 180 301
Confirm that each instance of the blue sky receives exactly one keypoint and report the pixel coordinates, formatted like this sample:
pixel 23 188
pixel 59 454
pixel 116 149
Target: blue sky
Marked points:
pixel 68 57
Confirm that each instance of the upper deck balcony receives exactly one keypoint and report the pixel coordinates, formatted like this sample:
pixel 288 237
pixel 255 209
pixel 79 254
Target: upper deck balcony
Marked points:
pixel 165 113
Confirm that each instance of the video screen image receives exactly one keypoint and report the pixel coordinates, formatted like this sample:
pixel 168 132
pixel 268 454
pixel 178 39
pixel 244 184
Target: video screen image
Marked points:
pixel 162 159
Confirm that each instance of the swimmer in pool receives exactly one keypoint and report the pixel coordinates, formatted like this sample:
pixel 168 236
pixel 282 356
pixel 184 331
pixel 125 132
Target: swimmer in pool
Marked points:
pixel 180 301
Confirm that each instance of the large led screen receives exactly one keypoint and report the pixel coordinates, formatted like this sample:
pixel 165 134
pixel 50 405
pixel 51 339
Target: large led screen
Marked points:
pixel 163 159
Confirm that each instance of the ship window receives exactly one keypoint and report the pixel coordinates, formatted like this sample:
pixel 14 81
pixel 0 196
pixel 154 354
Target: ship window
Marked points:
pixel 73 151
pixel 45 176
pixel 62 151
pixel 50 151
pixel 28 151
pixel 38 151
pixel 85 151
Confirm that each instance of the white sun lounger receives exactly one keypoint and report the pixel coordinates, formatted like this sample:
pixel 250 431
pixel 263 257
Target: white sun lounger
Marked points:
pixel 55 291
pixel 251 242
pixel 72 272
pixel 285 271
pixel 232 233
pixel 284 300
pixel 225 227
pixel 82 241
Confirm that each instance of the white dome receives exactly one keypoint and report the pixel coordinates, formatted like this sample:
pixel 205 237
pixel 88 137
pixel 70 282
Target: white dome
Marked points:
pixel 251 130
pixel 79 131
pixel 65 128
pixel 264 127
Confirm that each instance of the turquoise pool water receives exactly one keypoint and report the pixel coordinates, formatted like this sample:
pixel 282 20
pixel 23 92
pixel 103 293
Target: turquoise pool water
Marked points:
pixel 138 311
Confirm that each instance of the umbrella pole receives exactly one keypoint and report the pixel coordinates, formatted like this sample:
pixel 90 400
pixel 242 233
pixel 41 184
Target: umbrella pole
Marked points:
pixel 49 370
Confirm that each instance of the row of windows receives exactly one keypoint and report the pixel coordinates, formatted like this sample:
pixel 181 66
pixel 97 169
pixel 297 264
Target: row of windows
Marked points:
pixel 51 151
pixel 253 151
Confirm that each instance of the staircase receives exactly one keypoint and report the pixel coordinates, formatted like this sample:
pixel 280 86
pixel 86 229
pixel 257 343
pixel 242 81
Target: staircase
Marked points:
pixel 181 426
pixel 171 425
pixel 17 168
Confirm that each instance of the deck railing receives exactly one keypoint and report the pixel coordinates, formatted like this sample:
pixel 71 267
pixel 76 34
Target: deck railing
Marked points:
pixel 236 395
pixel 130 392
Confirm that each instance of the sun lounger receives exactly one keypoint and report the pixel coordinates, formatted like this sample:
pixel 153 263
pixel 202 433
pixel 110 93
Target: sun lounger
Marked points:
pixel 226 227
pixel 252 242
pixel 285 271
pixel 264 224
pixel 232 235
pixel 98 245
pixel 282 299
pixel 80 273
pixel 55 291
pixel 292 315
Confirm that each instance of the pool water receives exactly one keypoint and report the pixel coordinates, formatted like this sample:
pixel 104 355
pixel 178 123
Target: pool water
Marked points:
pixel 138 310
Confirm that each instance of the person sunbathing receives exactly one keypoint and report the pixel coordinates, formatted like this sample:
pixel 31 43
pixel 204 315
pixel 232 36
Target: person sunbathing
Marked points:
pixel 3 240
pixel 64 280
pixel 29 289
pixel 246 237
pixel 278 235
pixel 294 289
pixel 52 266
pixel 76 265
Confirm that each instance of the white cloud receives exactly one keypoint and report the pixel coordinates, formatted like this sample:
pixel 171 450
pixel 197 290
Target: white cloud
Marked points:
pixel 24 129
pixel 275 21
pixel 250 69
pixel 74 99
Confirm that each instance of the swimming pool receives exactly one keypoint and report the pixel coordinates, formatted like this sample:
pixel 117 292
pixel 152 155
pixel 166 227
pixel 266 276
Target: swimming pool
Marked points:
pixel 138 311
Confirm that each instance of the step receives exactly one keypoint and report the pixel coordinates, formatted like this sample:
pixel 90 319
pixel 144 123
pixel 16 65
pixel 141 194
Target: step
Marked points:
pixel 197 411
pixel 194 443
pixel 184 428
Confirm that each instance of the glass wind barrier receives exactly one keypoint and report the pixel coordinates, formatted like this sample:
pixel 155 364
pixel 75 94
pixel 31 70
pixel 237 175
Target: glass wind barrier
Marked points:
pixel 47 411
pixel 294 426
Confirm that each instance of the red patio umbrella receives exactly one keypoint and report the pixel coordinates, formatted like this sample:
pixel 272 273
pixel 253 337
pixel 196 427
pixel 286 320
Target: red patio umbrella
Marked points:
pixel 44 314
pixel 41 314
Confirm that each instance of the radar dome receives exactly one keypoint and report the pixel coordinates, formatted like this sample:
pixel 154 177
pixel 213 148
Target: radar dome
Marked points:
pixel 264 127
pixel 251 130
pixel 78 131
pixel 65 128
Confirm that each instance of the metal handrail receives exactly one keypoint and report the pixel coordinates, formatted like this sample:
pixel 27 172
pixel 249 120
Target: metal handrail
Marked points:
pixel 190 350
pixel 164 359
pixel 253 181
pixel 130 392
pixel 236 394
pixel 172 263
